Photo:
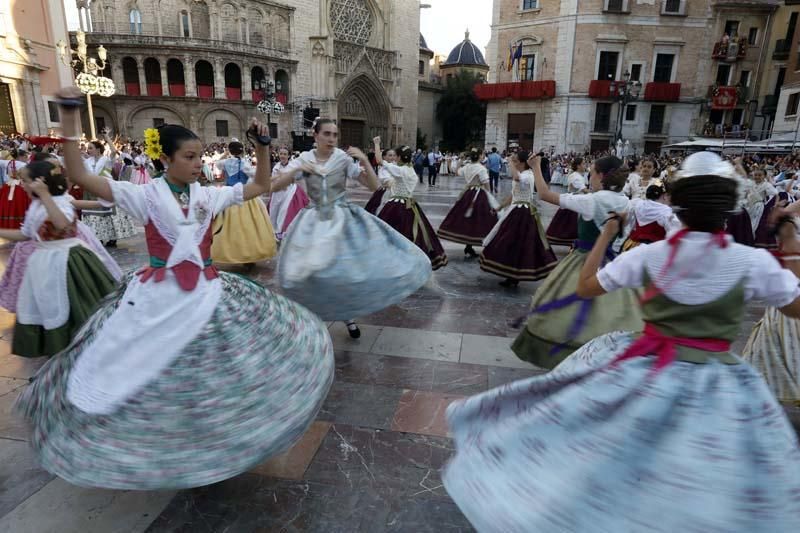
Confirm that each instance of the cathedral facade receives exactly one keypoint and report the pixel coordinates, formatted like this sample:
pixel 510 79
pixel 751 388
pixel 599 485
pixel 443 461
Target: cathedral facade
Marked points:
pixel 206 63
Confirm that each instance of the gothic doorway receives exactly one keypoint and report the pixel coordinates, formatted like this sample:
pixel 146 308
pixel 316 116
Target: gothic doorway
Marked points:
pixel 363 111
pixel 8 124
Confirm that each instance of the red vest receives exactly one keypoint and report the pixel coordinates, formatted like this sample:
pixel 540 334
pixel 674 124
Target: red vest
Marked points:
pixel 649 233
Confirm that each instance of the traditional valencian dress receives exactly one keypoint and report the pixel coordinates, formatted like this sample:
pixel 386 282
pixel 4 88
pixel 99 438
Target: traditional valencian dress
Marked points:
pixel 404 214
pixel 662 432
pixel 515 248
pixel 186 376
pixel 18 261
pixel 62 282
pixel 285 205
pixel 651 222
pixel 774 348
pixel 379 197
pixel 474 215
pixel 242 234
pixel 563 228
pixel 560 321
pixel 761 200
pixel 14 201
pixel 337 259
pixel 107 222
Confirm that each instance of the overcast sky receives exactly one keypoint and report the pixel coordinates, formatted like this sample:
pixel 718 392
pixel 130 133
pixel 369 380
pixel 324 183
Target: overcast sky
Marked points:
pixel 443 24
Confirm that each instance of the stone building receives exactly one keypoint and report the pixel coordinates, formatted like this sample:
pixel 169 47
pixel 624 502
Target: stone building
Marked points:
pixel 430 92
pixel 203 63
pixel 699 64
pixel 783 87
pixel 30 73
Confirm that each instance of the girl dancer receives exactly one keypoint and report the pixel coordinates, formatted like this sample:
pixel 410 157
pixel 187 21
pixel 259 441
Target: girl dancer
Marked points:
pixel 242 234
pixel 108 223
pixel 474 215
pixel 761 200
pixel 739 224
pixel 14 201
pixel 515 248
pixel 240 372
pixel 638 183
pixel 62 280
pixel 663 432
pixel 285 205
pixel 402 212
pixel 563 229
pixel 774 344
pixel 337 259
pixel 651 219
pixel 561 322
pixel 379 198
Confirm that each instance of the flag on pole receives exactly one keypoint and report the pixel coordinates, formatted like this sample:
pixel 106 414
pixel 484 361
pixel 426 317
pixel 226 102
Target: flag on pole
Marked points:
pixel 510 62
pixel 516 60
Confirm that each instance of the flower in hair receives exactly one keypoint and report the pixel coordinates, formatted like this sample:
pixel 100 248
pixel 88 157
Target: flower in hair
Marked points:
pixel 152 143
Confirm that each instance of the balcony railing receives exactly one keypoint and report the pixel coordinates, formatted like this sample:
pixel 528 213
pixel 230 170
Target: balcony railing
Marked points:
pixel 662 92
pixel 600 89
pixel 782 49
pixel 521 90
pixel 730 50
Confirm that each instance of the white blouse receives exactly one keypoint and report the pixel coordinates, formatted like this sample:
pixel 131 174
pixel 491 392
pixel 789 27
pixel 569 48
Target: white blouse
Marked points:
pixel 402 179
pixel 576 182
pixel 595 206
pixel 475 174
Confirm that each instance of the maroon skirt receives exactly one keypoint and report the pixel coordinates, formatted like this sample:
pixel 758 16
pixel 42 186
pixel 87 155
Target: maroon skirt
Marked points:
pixel 740 228
pixel 765 235
pixel 375 201
pixel 518 250
pixel 12 212
pixel 563 229
pixel 407 218
pixel 470 220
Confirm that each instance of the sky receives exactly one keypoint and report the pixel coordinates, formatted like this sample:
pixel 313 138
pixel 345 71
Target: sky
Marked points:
pixel 443 24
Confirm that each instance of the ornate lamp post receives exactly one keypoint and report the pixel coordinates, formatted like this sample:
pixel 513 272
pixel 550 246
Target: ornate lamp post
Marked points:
pixel 87 80
pixel 269 105
pixel 624 92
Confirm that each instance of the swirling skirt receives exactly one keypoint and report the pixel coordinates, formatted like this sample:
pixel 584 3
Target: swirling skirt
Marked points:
pixel 111 227
pixel 547 331
pixel 516 249
pixel 12 212
pixel 588 447
pixel 470 220
pixel 240 392
pixel 774 350
pixel 243 234
pixel 563 228
pixel 342 263
pixel 740 228
pixel 415 226
pixel 376 201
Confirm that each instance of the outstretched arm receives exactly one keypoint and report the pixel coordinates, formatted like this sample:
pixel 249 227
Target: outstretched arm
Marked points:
pixel 370 180
pixel 588 284
pixel 12 235
pixel 262 181
pixel 545 194
pixel 376 144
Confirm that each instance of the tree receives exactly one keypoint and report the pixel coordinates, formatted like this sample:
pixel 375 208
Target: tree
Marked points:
pixel 462 115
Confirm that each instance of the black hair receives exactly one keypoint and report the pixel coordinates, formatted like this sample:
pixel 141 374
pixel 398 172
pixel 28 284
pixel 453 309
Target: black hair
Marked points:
pixel 474 155
pixel 236 148
pixel 494 149
pixel 172 138
pixel 654 192
pixel 522 157
pixel 97 144
pixel 404 153
pixel 578 161
pixel 321 122
pixel 51 173
pixel 41 156
pixel 614 172
pixel 704 203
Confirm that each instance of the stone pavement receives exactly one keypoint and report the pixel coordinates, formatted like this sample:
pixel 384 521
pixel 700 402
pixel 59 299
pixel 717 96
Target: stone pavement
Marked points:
pixel 369 463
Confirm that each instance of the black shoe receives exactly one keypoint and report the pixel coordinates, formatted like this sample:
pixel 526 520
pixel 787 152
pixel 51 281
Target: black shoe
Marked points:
pixel 469 251
pixel 353 330
pixel 510 283
pixel 111 244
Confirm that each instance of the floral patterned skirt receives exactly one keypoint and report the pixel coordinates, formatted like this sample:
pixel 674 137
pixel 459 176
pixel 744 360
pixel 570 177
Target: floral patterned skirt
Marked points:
pixel 111 227
pixel 242 391
pixel 774 350
pixel 589 447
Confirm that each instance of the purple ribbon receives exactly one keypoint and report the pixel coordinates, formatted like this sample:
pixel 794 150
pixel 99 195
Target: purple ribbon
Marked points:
pixel 586 246
pixel 577 325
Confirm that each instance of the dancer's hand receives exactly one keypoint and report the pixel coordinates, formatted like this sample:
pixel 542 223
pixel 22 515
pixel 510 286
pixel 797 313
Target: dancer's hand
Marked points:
pixel 358 154
pixel 535 160
pixel 376 141
pixel 37 187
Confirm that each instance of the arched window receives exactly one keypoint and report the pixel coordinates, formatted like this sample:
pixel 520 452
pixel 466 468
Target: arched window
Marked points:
pixel 186 26
pixel 130 73
pixel 152 76
pixel 204 78
pixel 258 79
pixel 136 21
pixel 281 86
pixel 233 82
pixel 175 78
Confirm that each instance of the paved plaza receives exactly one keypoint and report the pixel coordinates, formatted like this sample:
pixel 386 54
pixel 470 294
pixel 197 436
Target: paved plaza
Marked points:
pixel 369 463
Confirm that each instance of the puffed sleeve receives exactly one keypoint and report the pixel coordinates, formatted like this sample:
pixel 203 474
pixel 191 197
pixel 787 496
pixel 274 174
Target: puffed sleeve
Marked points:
pixel 224 197
pixel 130 198
pixel 583 204
pixel 768 280
pixel 626 271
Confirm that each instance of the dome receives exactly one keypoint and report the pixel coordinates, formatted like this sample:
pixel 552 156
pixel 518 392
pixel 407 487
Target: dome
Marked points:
pixel 466 54
pixel 422 43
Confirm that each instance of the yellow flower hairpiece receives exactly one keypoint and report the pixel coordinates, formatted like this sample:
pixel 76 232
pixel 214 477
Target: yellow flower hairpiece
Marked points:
pixel 152 143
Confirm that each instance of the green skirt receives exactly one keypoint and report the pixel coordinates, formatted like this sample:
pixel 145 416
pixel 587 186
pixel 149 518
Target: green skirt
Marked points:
pixel 615 311
pixel 88 282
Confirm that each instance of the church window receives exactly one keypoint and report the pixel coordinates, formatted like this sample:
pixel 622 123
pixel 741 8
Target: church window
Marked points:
pixel 185 25
pixel 351 21
pixel 136 21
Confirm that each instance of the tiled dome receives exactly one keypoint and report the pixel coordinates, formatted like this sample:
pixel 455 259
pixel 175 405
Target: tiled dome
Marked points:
pixel 466 54
pixel 422 43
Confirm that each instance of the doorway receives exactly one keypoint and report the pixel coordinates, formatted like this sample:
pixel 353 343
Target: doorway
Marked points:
pixel 8 124
pixel 351 133
pixel 521 127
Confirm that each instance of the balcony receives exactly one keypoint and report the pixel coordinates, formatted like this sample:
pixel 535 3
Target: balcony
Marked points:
pixel 730 50
pixel 782 49
pixel 657 129
pixel 662 92
pixel 154 89
pixel 770 105
pixel 177 89
pixel 724 96
pixel 522 90
pixel 600 89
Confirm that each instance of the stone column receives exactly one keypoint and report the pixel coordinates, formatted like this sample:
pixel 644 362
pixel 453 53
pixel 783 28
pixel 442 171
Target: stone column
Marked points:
pixel 117 77
pixel 219 79
pixel 247 83
pixel 246 30
pixel 188 76
pixel 142 77
pixel 164 78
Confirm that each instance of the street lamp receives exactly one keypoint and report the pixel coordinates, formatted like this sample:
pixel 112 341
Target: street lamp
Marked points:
pixel 88 80
pixel 269 105
pixel 625 92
